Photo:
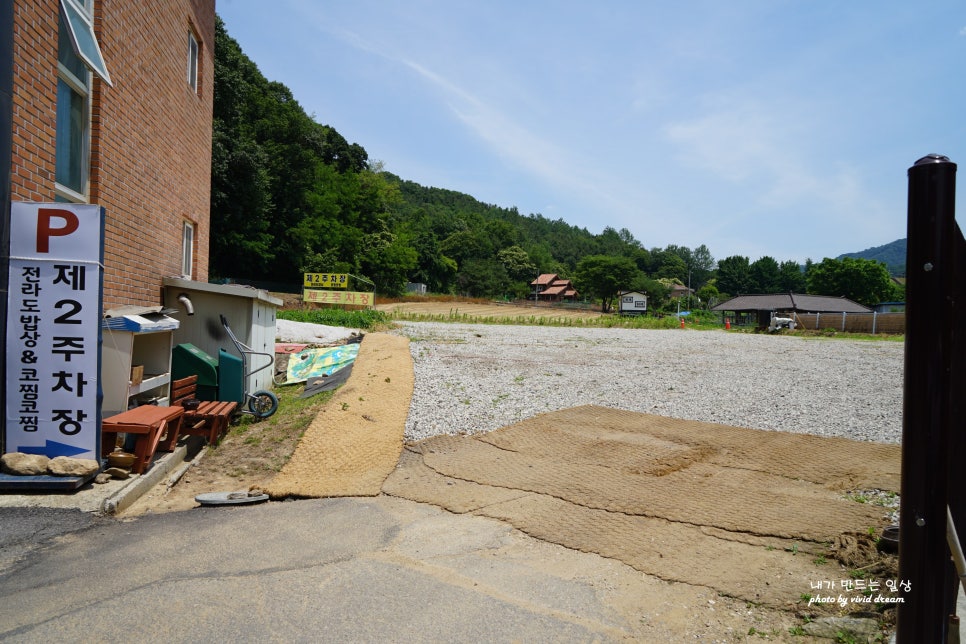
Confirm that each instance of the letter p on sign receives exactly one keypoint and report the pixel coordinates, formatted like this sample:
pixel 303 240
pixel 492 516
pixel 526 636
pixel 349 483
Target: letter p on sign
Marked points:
pixel 54 222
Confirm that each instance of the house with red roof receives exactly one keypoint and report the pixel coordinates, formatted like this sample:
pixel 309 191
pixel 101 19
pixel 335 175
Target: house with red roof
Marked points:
pixel 549 287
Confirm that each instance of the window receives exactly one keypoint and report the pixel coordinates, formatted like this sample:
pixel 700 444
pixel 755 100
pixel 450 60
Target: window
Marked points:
pixel 78 17
pixel 77 56
pixel 187 249
pixel 192 62
pixel 72 146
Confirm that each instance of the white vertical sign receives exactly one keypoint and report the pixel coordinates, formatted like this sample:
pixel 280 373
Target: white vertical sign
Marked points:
pixel 53 328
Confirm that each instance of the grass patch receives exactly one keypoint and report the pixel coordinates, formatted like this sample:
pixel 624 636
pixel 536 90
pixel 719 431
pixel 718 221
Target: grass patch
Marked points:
pixel 275 437
pixel 609 321
pixel 846 335
pixel 376 320
pixel 368 319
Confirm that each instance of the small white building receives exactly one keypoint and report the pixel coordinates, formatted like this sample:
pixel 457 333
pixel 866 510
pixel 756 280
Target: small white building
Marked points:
pixel 250 313
pixel 632 302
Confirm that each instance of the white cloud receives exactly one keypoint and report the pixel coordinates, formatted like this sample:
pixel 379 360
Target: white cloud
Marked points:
pixel 737 141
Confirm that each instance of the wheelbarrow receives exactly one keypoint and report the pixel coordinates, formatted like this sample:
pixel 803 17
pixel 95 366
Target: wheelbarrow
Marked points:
pixel 260 404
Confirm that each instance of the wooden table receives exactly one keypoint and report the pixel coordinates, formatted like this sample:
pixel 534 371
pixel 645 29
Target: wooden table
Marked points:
pixel 148 423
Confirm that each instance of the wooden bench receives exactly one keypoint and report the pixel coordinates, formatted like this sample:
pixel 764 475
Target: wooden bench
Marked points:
pixel 148 423
pixel 211 417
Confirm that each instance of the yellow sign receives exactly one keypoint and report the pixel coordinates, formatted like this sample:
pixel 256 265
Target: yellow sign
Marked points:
pixel 354 298
pixel 326 280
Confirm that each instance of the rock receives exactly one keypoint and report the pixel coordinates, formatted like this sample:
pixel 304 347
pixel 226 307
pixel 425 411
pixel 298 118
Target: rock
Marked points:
pixel 117 473
pixel 66 466
pixel 24 464
pixel 102 478
pixel 858 629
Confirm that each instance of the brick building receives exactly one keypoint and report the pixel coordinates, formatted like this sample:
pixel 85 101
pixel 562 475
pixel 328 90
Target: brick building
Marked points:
pixel 112 105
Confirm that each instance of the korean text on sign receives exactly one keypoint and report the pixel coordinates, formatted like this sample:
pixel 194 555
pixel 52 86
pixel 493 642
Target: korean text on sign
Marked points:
pixel 355 298
pixel 53 323
pixel 326 280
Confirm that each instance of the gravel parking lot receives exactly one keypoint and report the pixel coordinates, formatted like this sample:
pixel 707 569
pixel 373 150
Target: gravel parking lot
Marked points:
pixel 477 378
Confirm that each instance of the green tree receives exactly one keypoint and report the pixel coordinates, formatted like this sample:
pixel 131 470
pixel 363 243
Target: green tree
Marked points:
pixel 698 265
pixel 791 277
pixel 387 259
pixel 543 259
pixel 702 266
pixel 616 242
pixel 517 263
pixel 482 277
pixel 241 205
pixel 765 275
pixel 286 191
pixel 669 265
pixel 501 234
pixel 862 280
pixel 734 275
pixel 433 268
pixel 603 276
pixel 709 295
pixel 241 199
pixel 467 244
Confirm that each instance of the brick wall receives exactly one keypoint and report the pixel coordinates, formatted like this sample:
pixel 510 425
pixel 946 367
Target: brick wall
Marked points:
pixel 34 101
pixel 151 134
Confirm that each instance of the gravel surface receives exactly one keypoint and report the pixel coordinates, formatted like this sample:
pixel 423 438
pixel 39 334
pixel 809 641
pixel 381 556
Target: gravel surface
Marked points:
pixel 290 331
pixel 477 378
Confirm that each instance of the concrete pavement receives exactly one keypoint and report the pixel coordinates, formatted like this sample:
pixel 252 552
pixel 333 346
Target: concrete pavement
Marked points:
pixel 111 497
pixel 351 569
pixel 347 569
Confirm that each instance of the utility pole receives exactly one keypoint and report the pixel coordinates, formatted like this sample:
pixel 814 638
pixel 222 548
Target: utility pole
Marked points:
pixel 689 288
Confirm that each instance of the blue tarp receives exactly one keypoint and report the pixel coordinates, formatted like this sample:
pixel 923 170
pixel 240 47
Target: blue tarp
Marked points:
pixel 312 363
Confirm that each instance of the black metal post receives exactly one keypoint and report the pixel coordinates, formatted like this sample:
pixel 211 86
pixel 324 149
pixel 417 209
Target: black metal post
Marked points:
pixel 6 160
pixel 956 480
pixel 927 417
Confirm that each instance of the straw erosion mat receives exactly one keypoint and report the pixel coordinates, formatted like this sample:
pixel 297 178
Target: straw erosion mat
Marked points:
pixel 752 514
pixel 353 445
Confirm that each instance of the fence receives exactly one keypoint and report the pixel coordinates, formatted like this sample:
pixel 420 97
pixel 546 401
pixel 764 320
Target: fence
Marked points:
pixel 853 322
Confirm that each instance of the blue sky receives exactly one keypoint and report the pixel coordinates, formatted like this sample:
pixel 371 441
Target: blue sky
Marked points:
pixel 755 127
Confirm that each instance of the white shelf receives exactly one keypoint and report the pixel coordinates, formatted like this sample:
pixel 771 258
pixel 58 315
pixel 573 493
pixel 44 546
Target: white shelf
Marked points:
pixel 121 349
pixel 149 383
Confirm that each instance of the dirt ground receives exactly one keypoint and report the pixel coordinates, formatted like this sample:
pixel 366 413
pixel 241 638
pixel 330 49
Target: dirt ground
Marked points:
pixel 247 458
pixel 736 578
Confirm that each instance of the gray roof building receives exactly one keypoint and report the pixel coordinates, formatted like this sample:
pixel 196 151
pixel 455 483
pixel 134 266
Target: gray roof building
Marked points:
pixel 792 302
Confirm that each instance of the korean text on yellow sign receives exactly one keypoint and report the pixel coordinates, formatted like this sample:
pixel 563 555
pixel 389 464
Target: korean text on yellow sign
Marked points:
pixel 354 298
pixel 326 280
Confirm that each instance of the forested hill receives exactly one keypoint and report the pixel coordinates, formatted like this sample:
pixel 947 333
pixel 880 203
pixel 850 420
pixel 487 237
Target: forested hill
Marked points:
pixel 893 255
pixel 290 195
pixel 552 245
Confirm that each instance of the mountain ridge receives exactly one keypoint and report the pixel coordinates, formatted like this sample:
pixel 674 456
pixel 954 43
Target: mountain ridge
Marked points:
pixel 893 255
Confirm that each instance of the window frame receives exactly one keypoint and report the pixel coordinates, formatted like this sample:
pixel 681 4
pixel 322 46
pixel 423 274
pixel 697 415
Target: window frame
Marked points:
pixel 79 18
pixel 187 249
pixel 194 57
pixel 82 88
